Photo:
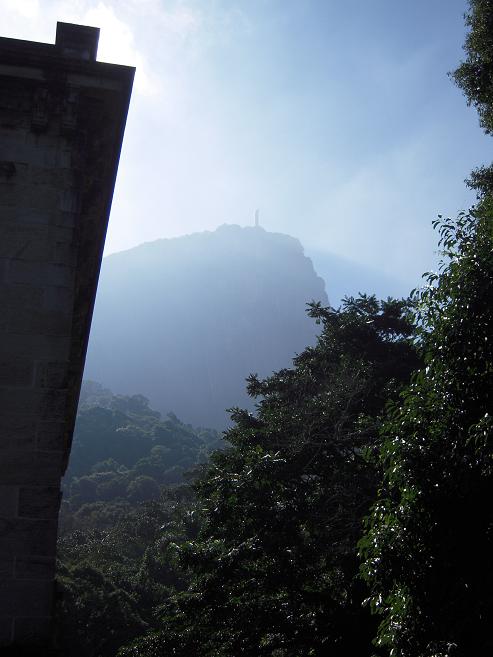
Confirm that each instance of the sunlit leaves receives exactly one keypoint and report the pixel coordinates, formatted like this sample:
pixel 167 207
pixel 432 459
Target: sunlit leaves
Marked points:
pixel 274 569
pixel 429 545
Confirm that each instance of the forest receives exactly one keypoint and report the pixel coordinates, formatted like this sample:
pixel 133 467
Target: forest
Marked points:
pixel 348 514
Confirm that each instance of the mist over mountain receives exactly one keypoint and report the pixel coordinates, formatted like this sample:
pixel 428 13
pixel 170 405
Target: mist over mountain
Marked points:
pixel 184 321
pixel 344 277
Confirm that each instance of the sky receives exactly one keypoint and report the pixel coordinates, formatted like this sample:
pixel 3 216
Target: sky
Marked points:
pixel 336 118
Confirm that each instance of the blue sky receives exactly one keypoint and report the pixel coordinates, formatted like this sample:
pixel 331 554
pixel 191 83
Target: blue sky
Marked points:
pixel 335 118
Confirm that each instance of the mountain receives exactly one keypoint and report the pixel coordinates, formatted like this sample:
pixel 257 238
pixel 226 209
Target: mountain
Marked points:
pixel 186 320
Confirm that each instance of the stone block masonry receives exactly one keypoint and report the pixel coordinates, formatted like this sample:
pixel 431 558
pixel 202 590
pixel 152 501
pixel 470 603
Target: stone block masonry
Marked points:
pixel 62 117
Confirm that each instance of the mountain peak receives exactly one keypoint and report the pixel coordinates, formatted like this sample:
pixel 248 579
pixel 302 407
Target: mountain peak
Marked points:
pixel 186 320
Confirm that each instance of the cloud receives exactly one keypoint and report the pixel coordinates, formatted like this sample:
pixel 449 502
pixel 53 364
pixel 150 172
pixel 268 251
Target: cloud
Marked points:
pixel 182 21
pixel 380 214
pixel 25 8
pixel 23 19
pixel 117 46
pixel 117 40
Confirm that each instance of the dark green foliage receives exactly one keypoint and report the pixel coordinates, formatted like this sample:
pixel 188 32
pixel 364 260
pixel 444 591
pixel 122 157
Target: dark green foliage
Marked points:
pixel 274 568
pixel 475 77
pixel 429 546
pixel 23 651
pixel 114 575
pixel 116 566
pixel 429 542
pixel 123 450
pixel 142 489
pixel 96 615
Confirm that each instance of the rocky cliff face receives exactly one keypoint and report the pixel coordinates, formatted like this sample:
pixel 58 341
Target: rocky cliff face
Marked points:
pixel 185 320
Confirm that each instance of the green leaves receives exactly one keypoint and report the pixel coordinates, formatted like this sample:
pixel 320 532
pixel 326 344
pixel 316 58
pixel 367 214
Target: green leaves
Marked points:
pixel 475 77
pixel 475 74
pixel 428 545
pixel 274 570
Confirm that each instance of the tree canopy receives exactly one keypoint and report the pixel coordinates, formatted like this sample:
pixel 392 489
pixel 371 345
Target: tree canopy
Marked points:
pixel 475 77
pixel 274 568
pixel 429 541
pixel 429 546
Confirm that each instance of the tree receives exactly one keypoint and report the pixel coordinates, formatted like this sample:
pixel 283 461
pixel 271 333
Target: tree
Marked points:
pixel 143 489
pixel 274 568
pixel 429 541
pixel 116 570
pixel 93 615
pixel 475 77
pixel 428 551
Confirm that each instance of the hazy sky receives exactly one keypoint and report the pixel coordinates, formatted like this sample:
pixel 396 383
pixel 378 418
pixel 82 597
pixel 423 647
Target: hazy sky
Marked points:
pixel 335 117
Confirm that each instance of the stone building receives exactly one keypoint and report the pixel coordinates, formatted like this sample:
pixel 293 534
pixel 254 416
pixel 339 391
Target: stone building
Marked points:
pixel 62 117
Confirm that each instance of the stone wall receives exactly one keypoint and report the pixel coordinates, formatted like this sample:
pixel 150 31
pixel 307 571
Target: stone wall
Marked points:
pixel 62 116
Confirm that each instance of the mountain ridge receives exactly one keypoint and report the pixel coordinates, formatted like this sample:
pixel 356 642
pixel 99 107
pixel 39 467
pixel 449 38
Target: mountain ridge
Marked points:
pixel 185 320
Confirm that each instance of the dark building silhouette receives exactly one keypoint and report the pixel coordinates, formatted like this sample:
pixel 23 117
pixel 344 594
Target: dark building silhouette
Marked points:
pixel 62 117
